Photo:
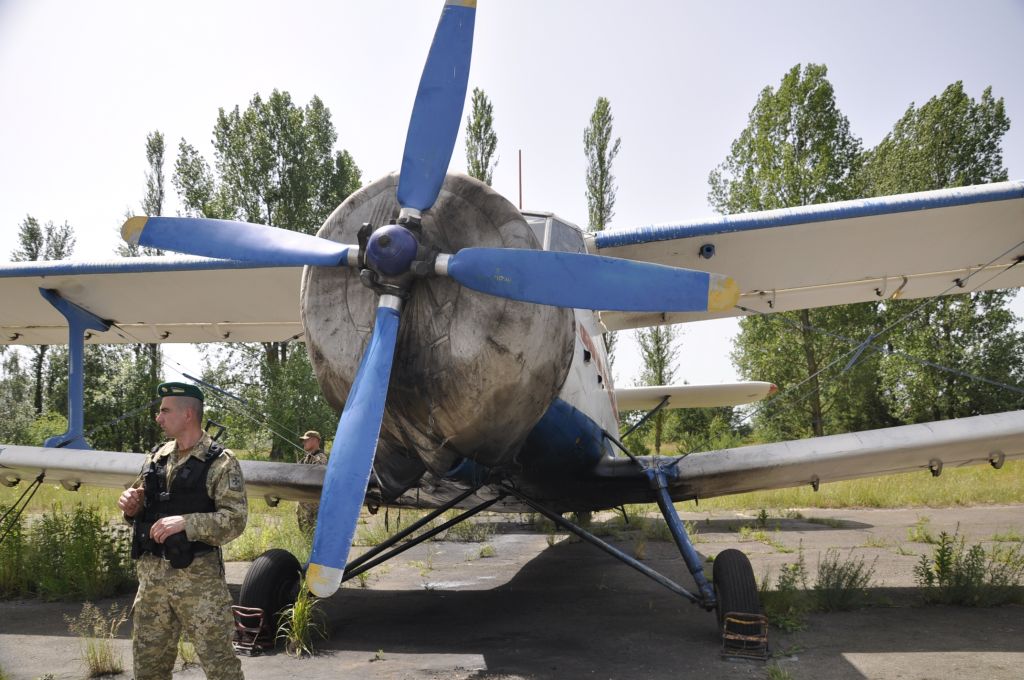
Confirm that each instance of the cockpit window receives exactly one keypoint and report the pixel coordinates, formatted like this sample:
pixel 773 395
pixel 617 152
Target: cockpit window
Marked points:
pixel 565 238
pixel 537 225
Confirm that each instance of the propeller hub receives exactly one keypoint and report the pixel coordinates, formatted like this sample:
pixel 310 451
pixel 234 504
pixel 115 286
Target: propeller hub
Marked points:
pixel 391 250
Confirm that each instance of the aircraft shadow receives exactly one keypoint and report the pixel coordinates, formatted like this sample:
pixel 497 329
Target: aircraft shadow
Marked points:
pixel 573 611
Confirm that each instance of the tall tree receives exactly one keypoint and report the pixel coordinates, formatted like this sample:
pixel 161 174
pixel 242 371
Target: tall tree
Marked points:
pixel 139 366
pixel 481 140
pixel 153 199
pixel 951 140
pixel 797 149
pixel 35 242
pixel 275 164
pixel 658 351
pixel 601 150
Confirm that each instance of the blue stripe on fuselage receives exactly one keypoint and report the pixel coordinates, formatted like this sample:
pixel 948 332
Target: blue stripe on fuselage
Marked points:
pixel 565 443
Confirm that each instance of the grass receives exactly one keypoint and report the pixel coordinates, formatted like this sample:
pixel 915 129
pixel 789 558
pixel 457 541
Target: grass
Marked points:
pixel 776 672
pixel 973 485
pixel 97 631
pixel 301 624
pixel 487 550
pixel 66 555
pixel 761 536
pixel 269 528
pixel 1008 536
pixel 971 576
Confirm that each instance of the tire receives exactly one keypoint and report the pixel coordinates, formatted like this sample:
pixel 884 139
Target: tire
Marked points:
pixel 735 587
pixel 271 584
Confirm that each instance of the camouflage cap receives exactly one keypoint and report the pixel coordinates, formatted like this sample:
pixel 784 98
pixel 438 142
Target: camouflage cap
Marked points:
pixel 178 389
pixel 310 434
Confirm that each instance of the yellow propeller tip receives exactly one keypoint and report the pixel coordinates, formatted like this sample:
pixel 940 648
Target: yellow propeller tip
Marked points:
pixel 723 293
pixel 132 229
pixel 323 581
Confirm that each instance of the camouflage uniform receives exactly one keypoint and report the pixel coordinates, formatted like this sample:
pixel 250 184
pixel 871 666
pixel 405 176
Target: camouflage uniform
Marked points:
pixel 306 513
pixel 193 600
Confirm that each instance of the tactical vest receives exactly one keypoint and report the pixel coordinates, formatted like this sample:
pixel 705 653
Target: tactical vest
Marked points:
pixel 187 495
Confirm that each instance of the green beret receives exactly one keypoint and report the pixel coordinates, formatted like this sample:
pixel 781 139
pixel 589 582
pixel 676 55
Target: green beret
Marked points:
pixel 177 389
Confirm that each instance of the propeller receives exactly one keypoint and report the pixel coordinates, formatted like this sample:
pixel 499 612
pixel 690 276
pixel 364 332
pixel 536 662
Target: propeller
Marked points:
pixel 352 452
pixel 394 256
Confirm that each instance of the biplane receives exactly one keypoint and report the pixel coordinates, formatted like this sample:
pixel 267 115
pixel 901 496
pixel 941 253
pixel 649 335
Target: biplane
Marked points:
pixel 461 340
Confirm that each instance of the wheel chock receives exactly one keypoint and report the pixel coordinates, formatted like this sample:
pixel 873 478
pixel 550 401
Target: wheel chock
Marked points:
pixel 745 636
pixel 248 627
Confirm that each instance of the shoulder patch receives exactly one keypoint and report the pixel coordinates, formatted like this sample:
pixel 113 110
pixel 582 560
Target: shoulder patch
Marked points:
pixel 235 480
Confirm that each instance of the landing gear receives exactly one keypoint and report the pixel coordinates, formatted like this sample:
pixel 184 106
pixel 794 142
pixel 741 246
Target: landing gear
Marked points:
pixel 271 584
pixel 744 629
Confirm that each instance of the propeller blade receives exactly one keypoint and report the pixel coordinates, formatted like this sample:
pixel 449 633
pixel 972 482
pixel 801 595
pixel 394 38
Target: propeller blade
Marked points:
pixel 588 281
pixel 351 460
pixel 230 240
pixel 437 112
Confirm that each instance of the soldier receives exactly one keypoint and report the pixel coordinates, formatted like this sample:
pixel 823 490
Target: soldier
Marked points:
pixel 306 512
pixel 188 501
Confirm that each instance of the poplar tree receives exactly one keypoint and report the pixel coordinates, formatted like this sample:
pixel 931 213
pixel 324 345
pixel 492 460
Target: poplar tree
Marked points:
pixel 658 351
pixel 601 150
pixel 481 140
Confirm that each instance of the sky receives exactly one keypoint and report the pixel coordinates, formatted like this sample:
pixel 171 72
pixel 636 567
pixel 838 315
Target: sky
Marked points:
pixel 82 84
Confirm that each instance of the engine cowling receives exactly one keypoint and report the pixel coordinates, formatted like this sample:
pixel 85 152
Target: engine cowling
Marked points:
pixel 473 373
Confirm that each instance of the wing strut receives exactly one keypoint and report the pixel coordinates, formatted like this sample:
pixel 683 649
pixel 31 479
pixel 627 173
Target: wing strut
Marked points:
pixel 80 321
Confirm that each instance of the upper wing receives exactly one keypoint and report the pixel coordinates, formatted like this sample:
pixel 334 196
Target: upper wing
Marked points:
pixel 152 299
pixel 906 246
pixel 72 467
pixel 691 396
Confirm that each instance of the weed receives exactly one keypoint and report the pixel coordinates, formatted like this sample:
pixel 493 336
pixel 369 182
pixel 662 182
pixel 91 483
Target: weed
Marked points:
pixel 793 514
pixel 776 672
pixel 66 555
pixel 1008 536
pixel 301 623
pixel 363 579
pixel 842 585
pixel 270 528
pixel 762 536
pixel 787 606
pixel 97 632
pixel 487 550
pixel 469 531
pixel 792 650
pixel 876 542
pixel 640 548
pixel 919 533
pixel 826 521
pixel 425 566
pixel 762 518
pixel 187 653
pixel 906 552
pixel 378 656
pixel 375 529
pixel 971 577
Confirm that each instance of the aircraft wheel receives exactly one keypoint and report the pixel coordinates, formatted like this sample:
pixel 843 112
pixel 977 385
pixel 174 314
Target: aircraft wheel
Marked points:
pixel 272 583
pixel 735 587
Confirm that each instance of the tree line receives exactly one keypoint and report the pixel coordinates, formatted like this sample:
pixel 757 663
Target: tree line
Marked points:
pixel 276 163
